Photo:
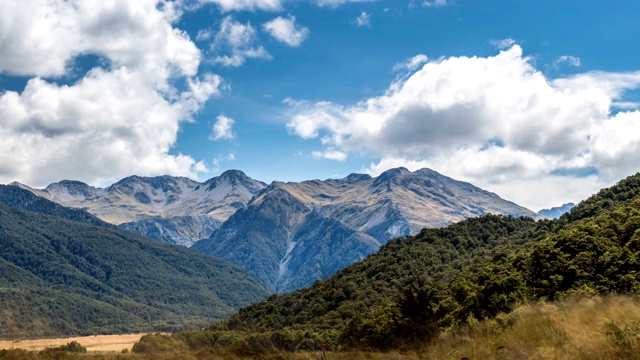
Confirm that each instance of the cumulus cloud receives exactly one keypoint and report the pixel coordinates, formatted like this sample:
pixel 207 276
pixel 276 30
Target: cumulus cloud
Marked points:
pixel 114 121
pixel 237 5
pixel 496 121
pixel 235 42
pixel 222 129
pixel 41 37
pixel 286 31
pixel 364 19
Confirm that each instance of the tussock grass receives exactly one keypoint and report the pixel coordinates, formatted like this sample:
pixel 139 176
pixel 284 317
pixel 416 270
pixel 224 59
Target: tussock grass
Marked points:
pixel 577 328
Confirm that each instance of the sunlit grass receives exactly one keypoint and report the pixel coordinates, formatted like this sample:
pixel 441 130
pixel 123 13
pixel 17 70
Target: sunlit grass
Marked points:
pixel 577 328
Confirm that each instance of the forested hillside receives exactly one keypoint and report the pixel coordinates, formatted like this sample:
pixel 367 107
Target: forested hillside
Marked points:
pixel 415 287
pixel 59 276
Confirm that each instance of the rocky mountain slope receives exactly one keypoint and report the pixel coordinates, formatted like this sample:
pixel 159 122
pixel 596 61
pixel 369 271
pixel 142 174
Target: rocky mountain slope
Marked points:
pixel 292 234
pixel 287 234
pixel 63 271
pixel 176 210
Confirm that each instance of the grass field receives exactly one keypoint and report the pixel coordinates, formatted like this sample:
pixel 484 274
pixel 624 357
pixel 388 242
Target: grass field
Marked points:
pixel 97 343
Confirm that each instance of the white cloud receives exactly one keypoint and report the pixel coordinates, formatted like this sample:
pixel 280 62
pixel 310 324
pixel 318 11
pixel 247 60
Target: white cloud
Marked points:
pixel 496 122
pixel 502 44
pixel 41 37
pixel 330 154
pixel 204 35
pixel 411 63
pixel 286 31
pixel 336 3
pixel 364 19
pixel 235 42
pixel 238 5
pixel 222 129
pixel 570 60
pixel 435 3
pixel 112 122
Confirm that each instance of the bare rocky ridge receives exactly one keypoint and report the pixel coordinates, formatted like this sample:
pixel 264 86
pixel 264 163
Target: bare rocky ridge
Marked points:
pixel 400 202
pixel 170 209
pixel 292 234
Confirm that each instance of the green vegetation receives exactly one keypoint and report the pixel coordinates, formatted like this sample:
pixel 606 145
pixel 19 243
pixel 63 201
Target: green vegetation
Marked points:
pixel 594 328
pixel 416 288
pixel 60 277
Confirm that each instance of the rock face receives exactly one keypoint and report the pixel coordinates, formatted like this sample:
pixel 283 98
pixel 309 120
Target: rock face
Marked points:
pixel 170 209
pixel 292 234
pixel 180 230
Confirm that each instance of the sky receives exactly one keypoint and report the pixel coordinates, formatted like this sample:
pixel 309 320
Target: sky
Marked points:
pixel 537 101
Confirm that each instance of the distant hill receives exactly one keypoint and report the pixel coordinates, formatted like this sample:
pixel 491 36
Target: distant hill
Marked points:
pixel 292 234
pixel 439 279
pixel 556 212
pixel 65 272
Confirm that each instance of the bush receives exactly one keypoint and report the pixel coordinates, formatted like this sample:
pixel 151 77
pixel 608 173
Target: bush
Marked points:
pixel 74 347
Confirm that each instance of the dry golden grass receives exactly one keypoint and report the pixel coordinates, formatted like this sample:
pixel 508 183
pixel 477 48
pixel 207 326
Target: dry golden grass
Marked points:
pixel 98 343
pixel 572 329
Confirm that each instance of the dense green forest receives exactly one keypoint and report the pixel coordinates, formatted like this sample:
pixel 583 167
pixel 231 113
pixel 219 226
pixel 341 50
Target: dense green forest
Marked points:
pixel 416 287
pixel 59 276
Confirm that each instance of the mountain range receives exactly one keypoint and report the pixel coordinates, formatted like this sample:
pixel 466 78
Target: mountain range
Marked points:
pixel 174 210
pixel 286 234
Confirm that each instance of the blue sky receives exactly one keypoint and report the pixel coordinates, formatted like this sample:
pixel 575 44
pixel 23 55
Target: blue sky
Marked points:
pixel 534 100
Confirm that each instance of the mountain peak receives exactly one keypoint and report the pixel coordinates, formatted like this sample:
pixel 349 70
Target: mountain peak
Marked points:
pixel 428 172
pixel 390 175
pixel 394 172
pixel 68 184
pixel 233 173
pixel 69 189
pixel 164 183
pixel 354 178
pixel 20 185
pixel 234 178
